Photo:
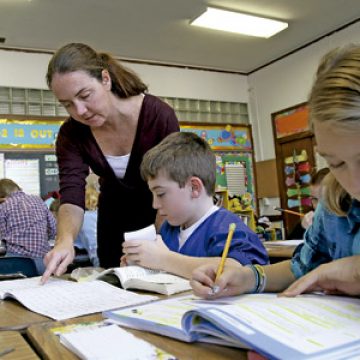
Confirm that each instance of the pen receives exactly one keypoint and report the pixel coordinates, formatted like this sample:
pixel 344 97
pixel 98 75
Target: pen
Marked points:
pixel 220 269
pixel 289 211
pixel 6 351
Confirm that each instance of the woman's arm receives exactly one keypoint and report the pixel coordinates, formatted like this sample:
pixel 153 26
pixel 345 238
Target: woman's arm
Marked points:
pixel 70 219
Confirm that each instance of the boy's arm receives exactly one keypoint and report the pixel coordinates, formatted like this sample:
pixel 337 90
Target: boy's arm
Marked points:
pixel 184 265
pixel 156 255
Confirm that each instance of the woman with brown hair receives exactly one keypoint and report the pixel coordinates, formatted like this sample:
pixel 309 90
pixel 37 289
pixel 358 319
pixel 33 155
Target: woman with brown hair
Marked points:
pixel 112 123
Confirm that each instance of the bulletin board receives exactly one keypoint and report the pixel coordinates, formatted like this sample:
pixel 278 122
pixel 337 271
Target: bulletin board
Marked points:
pixel 291 121
pixel 32 141
pixel 295 160
pixel 27 153
pixel 233 146
pixel 36 172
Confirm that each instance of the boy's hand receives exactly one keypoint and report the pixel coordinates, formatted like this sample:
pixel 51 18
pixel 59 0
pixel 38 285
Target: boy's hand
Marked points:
pixel 150 254
pixel 234 280
pixel 123 261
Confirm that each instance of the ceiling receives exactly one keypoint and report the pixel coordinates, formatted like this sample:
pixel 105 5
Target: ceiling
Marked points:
pixel 158 31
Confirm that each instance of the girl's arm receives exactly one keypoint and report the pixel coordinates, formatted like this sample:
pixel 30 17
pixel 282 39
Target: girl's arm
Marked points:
pixel 237 280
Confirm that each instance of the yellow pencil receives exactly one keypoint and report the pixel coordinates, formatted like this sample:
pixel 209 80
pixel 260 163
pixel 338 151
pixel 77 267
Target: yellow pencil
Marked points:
pixel 220 269
pixel 289 211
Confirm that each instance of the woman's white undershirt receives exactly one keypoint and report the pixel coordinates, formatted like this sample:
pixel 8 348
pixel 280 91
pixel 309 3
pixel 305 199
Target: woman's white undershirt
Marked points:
pixel 118 164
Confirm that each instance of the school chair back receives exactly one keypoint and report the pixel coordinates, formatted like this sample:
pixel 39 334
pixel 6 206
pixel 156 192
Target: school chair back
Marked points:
pixel 17 264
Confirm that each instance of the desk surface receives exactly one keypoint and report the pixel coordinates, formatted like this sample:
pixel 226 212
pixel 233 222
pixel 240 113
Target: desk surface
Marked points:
pixel 48 345
pixel 14 316
pixel 279 251
pixel 14 340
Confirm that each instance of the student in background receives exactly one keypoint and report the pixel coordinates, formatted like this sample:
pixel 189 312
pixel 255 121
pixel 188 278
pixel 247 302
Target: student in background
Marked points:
pixel 26 224
pixel 180 172
pixel 315 190
pixel 87 238
pixel 54 207
pixel 113 122
pixel 335 233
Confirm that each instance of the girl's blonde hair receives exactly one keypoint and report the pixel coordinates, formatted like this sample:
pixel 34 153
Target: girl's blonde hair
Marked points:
pixel 335 98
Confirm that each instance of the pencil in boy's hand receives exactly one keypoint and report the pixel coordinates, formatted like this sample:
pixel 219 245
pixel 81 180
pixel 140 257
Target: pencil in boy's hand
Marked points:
pixel 289 211
pixel 220 269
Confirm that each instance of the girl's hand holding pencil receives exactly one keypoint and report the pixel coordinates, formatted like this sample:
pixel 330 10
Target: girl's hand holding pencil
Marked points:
pixel 212 281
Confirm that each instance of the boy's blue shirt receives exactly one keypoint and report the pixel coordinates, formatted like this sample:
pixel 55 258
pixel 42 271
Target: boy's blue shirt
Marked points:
pixel 209 238
pixel 330 237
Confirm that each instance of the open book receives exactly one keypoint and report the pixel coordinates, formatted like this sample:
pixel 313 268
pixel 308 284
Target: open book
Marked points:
pixel 62 299
pixel 307 326
pixel 136 277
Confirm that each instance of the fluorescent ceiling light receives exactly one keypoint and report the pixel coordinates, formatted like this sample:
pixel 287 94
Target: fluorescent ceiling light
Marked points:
pixel 239 23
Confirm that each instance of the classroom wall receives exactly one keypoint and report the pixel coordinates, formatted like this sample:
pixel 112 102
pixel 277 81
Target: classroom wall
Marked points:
pixel 287 83
pixel 27 70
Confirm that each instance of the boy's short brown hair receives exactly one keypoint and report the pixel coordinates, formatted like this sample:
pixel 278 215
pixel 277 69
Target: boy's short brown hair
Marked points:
pixel 7 186
pixel 181 155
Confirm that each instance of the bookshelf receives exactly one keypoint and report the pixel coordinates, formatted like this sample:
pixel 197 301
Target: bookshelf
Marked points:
pixel 247 215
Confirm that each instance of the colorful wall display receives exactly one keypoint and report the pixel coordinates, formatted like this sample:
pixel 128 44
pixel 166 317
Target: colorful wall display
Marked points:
pixel 233 148
pixel 297 180
pixel 222 137
pixel 292 121
pixel 33 134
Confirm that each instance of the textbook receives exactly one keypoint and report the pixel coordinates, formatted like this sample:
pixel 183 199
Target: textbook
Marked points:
pixel 137 277
pixel 62 299
pixel 312 326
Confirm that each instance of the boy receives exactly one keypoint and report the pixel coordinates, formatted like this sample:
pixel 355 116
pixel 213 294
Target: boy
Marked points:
pixel 26 224
pixel 181 175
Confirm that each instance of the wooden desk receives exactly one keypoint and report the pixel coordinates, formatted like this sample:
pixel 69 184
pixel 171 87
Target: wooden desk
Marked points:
pixel 14 316
pixel 48 345
pixel 14 340
pixel 279 251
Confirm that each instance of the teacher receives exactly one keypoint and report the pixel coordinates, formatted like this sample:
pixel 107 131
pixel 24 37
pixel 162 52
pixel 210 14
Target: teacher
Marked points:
pixel 113 122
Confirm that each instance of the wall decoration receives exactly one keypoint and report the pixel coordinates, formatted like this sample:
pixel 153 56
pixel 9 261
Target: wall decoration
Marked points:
pixel 234 157
pixel 297 180
pixel 292 121
pixel 31 134
pixel 222 137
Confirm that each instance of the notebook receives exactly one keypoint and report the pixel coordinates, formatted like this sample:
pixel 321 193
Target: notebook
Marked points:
pixel 106 341
pixel 136 277
pixel 62 299
pixel 308 326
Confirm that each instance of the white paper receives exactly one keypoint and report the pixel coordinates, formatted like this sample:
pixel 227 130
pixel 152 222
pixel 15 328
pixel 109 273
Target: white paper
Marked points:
pixel 108 342
pixel 61 299
pixel 284 242
pixel 148 233
pixel 25 172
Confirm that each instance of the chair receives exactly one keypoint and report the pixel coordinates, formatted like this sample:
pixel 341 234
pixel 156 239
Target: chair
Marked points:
pixel 17 264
